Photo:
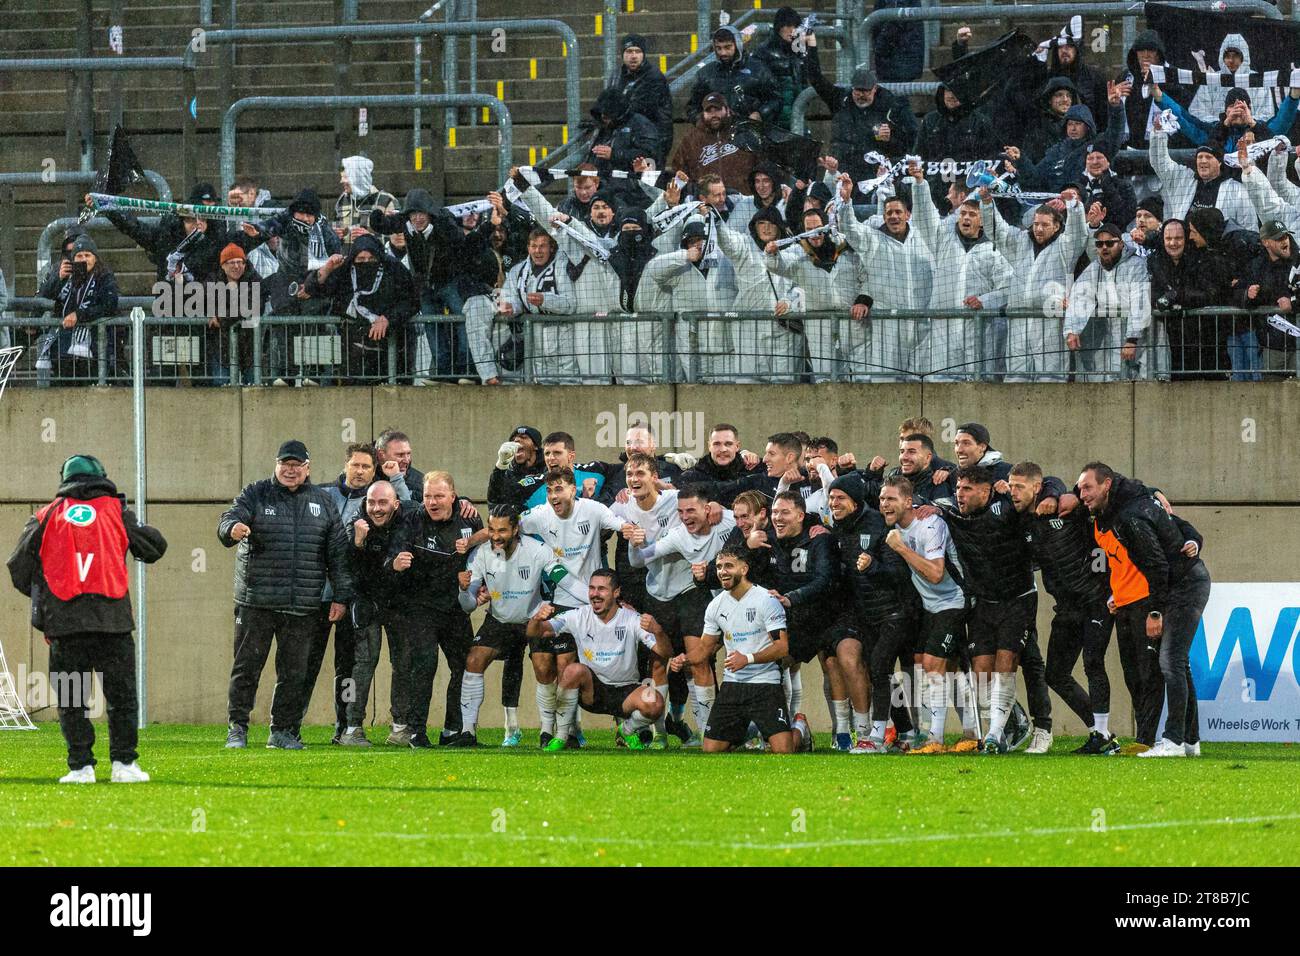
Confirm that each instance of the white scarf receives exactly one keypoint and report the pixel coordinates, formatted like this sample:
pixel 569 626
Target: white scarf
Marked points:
pixel 1257 151
pixel 355 309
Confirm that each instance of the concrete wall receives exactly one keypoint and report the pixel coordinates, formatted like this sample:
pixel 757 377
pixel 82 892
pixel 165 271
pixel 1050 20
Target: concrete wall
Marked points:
pixel 1225 451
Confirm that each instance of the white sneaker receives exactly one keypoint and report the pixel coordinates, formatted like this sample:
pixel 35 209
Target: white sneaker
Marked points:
pixel 1041 743
pixel 1165 748
pixel 84 775
pixel 129 773
pixel 1192 750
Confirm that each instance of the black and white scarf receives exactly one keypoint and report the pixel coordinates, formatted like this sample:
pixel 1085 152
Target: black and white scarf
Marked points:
pixel 355 309
pixel 545 282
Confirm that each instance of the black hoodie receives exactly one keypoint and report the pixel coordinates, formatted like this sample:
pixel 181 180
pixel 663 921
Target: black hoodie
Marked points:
pixel 962 134
pixel 393 296
pixel 747 85
pixel 1137 107
pixel 878 591
pixel 86 613
pixel 648 95
pixel 629 136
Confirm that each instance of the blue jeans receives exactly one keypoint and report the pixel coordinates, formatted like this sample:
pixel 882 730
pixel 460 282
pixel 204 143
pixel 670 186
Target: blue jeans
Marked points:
pixel 448 347
pixel 1244 356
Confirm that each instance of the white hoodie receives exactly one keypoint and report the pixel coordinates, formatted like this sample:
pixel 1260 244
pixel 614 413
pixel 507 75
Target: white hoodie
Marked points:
pixel 1209 101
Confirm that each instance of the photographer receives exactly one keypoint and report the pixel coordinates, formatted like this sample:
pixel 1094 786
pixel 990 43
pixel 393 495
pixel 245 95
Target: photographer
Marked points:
pixel 427 555
pixel 84 291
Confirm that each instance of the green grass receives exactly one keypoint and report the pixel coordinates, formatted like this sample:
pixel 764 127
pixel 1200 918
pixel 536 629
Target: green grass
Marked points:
pixel 332 806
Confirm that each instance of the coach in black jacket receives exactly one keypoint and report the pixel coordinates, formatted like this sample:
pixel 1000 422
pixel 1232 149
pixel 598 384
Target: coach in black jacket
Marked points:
pixel 1165 552
pixel 290 542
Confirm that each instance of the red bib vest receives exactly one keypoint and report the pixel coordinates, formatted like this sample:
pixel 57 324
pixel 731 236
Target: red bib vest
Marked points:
pixel 83 548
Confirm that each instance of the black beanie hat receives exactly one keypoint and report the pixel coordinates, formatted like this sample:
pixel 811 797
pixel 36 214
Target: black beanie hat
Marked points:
pixel 977 432
pixel 852 485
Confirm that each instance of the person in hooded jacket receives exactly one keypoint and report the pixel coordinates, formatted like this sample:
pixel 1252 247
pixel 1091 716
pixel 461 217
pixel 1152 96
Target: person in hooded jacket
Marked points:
pixel 767 351
pixel 84 610
pixel 1235 123
pixel 374 294
pixel 84 291
pixel 240 284
pixel 1269 279
pixel 1101 184
pixel 746 84
pixel 969 274
pixel 1066 160
pixel 1044 125
pixel 646 90
pixel 1225 248
pixel 955 132
pixel 1210 102
pixel 1109 311
pixel 787 65
pixel 639 358
pixel 1209 186
pixel 359 197
pixel 1181 280
pixel 1144 101
pixel 1042 262
pixel 622 137
pixel 826 270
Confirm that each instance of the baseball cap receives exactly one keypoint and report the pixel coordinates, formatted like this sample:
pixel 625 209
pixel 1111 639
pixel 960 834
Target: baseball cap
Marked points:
pixel 864 78
pixel 714 99
pixel 292 449
pixel 1274 229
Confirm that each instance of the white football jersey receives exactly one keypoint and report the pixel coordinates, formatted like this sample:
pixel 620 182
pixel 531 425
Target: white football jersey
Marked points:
pixel 514 584
pixel 746 626
pixel 575 542
pixel 665 577
pixel 679 544
pixel 607 647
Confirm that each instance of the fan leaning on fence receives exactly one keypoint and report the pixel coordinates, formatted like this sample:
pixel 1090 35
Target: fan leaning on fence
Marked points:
pixel 71 561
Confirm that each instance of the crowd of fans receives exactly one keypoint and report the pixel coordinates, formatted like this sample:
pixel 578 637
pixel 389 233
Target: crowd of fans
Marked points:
pixel 879 263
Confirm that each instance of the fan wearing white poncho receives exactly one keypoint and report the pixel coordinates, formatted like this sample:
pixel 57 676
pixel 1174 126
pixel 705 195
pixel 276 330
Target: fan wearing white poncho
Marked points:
pixel 1271 194
pixel 1114 295
pixel 895 272
pixel 970 276
pixel 1210 101
pixel 1042 262
pixel 1209 185
pixel 765 350
pixel 539 285
pixel 826 270
pixel 586 345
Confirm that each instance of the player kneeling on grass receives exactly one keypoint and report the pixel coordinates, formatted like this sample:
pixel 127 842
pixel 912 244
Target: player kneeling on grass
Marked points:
pixel 508 575
pixel 604 679
pixel 751 623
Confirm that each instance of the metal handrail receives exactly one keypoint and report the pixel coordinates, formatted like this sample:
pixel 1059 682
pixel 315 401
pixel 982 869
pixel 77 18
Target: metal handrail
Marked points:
pixel 1040 11
pixel 228 122
pixel 375 31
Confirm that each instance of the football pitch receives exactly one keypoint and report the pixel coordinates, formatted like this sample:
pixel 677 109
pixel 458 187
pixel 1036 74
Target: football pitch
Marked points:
pixel 324 806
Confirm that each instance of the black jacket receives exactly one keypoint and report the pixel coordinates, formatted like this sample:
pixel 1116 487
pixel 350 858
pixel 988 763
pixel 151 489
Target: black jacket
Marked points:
pixel 1041 128
pixel 296 545
pixel 90 302
pixel 395 297
pixel 371 564
pixel 805 570
pixel 878 591
pixel 648 95
pixel 1115 193
pixel 789 73
pixel 1152 537
pixel 86 613
pixel 201 254
pixel 628 137
pixel 1137 106
pixel 615 473
pixel 505 484
pixel 1062 547
pixel 430 584
pixel 962 134
pixel 852 125
pixel 708 474
pixel 991 545
pixel 924 490
pixel 746 84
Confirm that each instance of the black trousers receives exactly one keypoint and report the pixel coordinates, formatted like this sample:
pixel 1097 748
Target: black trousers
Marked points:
pixel 418 636
pixel 293 634
pixel 1140 660
pixel 1036 692
pixel 1182 616
pixel 1080 629
pixel 345 644
pixel 884 643
pixel 73 661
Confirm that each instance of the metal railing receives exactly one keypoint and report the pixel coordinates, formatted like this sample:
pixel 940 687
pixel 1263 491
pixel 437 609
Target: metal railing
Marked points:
pixel 684 347
pixel 1038 11
pixel 230 120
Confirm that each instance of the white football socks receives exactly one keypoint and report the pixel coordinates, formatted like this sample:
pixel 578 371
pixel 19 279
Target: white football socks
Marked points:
pixel 634 724
pixel 795 692
pixel 878 731
pixel 937 685
pixel 862 723
pixel 702 697
pixel 1101 723
pixel 566 710
pixel 1004 696
pixel 661 727
pixel 546 696
pixel 471 699
pixel 512 720
pixel 840 712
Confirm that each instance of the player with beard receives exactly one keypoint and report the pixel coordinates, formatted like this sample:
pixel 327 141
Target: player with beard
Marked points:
pixel 725 461
pixel 509 577
pixel 871 635
pixel 751 623
pixel 1061 544
pixel 820 458
pixel 781 460
pixel 918 463
pixel 999 574
pixel 519 461
pixel 604 678
pixel 654 512
pixel 673 596
pixel 924 544
pixel 803 567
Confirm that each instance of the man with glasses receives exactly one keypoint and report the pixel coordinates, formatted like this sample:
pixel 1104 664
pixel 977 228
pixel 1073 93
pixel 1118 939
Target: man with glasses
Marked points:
pixel 1109 310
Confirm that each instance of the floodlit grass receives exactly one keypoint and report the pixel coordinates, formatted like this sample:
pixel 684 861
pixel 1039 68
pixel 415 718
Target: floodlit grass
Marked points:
pixel 325 805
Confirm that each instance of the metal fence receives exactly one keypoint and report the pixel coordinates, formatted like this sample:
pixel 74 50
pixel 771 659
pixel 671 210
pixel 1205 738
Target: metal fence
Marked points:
pixel 684 347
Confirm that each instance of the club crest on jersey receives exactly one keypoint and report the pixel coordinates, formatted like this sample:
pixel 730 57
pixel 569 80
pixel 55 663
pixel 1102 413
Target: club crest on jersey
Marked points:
pixel 663 520
pixel 1057 524
pixel 996 508
pixel 864 541
pixel 751 615
pixel 466 532
pixel 584 527
pixel 620 633
pixel 314 508
pixel 523 573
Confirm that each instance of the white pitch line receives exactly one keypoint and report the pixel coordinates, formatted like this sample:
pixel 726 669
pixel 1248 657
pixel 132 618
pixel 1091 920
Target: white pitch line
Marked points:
pixel 706 844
